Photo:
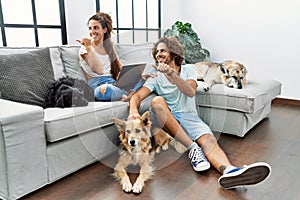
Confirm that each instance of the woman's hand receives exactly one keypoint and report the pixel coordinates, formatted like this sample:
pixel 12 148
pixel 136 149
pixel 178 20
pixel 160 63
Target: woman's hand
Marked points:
pixel 87 42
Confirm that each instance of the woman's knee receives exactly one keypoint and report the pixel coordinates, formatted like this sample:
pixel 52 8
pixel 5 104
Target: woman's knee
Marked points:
pixel 102 88
pixel 101 92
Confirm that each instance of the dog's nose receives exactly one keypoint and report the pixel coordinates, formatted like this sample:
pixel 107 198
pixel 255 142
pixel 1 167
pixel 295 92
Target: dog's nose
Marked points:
pixel 132 143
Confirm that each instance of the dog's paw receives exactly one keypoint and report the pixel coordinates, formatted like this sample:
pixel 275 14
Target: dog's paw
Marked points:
pixel 137 187
pixel 230 85
pixel 157 150
pixel 205 87
pixel 165 147
pixel 127 186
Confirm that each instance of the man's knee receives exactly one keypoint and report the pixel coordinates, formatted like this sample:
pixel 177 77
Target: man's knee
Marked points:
pixel 157 100
pixel 207 140
pixel 157 104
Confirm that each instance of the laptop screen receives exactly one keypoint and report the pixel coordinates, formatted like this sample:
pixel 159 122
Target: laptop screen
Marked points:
pixel 130 75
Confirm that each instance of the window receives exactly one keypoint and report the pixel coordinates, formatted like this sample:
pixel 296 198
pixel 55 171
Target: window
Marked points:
pixel 29 24
pixel 134 21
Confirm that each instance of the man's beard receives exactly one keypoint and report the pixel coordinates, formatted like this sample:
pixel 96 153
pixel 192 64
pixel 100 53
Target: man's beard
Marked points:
pixel 165 60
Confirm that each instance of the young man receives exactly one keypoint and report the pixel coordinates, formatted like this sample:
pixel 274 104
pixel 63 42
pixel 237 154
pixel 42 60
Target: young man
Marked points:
pixel 175 110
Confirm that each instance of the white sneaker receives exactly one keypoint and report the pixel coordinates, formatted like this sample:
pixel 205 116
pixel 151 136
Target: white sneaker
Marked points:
pixel 198 159
pixel 246 175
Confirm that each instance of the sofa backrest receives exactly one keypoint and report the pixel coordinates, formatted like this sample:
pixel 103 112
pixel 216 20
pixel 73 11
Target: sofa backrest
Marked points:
pixel 65 58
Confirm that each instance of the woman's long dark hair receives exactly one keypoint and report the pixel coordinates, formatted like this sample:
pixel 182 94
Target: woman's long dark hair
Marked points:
pixel 106 22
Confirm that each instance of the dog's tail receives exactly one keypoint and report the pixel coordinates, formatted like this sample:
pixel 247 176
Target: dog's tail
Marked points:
pixel 180 148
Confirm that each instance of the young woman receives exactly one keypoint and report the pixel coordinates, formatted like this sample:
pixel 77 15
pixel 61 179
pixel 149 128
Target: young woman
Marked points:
pixel 100 62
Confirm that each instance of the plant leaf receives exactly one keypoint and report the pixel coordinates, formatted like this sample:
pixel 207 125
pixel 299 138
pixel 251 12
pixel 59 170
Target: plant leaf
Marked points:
pixel 189 40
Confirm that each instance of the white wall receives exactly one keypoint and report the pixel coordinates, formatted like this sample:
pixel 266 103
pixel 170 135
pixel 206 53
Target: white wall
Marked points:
pixel 264 35
pixel 77 15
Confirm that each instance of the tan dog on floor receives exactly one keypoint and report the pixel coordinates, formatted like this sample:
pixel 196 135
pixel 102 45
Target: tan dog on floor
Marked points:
pixel 230 73
pixel 137 148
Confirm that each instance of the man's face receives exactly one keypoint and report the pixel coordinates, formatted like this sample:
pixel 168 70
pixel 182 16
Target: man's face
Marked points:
pixel 163 55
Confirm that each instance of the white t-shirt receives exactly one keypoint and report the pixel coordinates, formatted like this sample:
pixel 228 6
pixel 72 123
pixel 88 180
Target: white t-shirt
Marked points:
pixel 104 59
pixel 176 100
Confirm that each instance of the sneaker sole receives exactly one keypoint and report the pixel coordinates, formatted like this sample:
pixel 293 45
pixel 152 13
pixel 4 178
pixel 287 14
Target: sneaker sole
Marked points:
pixel 251 175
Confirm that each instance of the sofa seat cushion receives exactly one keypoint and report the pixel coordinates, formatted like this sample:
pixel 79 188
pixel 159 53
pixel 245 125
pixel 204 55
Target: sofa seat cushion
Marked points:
pixel 62 123
pixel 232 122
pixel 251 98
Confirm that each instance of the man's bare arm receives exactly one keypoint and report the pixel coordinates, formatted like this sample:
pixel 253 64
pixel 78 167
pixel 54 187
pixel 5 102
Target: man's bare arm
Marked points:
pixel 135 102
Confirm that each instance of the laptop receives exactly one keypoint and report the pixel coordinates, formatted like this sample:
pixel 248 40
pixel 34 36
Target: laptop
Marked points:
pixel 130 75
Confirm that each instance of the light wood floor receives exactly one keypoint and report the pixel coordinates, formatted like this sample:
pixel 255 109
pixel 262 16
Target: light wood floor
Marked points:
pixel 275 140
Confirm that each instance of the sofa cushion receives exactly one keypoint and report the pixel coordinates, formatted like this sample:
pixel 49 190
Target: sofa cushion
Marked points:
pixel 26 77
pixel 56 61
pixel 251 98
pixel 69 55
pixel 230 121
pixel 62 123
pixel 136 53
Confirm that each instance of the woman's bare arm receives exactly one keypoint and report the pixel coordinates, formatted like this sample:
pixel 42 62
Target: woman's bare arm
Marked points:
pixel 90 56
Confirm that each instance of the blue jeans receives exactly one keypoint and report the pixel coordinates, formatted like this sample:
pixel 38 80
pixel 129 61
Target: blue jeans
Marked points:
pixel 112 93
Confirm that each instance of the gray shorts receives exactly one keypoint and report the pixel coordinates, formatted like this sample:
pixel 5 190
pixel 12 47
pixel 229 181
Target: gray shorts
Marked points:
pixel 190 122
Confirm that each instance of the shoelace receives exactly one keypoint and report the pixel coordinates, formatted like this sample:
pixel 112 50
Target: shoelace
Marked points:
pixel 196 155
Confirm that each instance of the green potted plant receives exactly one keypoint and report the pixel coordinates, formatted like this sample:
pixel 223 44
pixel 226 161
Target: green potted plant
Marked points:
pixel 189 40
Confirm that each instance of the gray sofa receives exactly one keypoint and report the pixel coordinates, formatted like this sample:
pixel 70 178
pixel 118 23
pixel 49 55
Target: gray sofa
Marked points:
pixel 39 146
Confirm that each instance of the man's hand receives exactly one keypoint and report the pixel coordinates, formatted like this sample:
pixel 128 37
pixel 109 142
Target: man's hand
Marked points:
pixel 146 76
pixel 134 115
pixel 164 68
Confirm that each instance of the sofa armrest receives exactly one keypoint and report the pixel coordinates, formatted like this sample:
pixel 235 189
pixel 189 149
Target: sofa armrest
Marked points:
pixel 23 163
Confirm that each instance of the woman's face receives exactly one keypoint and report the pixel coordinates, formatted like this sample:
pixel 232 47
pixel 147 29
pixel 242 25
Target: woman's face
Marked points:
pixel 96 31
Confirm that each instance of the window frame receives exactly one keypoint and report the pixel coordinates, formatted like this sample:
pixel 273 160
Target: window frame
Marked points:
pixel 133 29
pixel 36 26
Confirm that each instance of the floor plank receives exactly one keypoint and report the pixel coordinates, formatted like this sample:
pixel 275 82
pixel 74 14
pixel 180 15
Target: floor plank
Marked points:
pixel 275 140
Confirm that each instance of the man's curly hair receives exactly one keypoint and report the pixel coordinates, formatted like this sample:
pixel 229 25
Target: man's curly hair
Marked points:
pixel 174 47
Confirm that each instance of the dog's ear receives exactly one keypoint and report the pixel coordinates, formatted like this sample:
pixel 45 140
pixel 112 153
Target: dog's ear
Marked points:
pixel 223 69
pixel 146 118
pixel 244 70
pixel 120 124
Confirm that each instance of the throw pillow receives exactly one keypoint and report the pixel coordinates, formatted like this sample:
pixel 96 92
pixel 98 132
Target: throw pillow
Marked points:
pixel 26 77
pixel 70 57
pixel 136 53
